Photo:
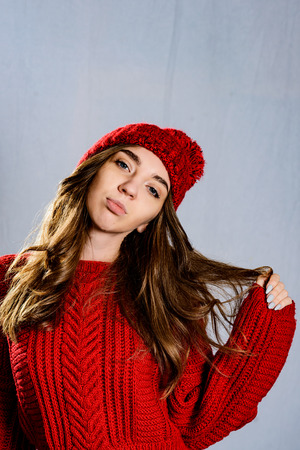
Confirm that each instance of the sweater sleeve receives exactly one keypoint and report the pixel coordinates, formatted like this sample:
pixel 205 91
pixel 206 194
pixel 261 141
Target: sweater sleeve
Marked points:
pixel 210 402
pixel 11 433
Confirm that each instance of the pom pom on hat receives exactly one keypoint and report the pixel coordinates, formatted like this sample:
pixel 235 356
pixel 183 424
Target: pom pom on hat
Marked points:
pixel 181 155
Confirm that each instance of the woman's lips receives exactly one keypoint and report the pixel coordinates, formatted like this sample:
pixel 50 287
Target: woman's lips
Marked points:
pixel 116 207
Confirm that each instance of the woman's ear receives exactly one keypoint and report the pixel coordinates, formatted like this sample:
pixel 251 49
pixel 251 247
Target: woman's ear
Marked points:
pixel 142 228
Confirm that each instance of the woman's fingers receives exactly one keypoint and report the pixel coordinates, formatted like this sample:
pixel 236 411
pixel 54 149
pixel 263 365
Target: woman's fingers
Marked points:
pixel 273 282
pixel 281 304
pixel 278 300
pixel 277 295
pixel 275 291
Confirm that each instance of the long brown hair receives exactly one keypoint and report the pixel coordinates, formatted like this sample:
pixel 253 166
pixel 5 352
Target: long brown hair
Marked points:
pixel 169 300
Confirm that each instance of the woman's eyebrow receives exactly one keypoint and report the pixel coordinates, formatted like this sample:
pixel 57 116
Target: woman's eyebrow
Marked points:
pixel 137 160
pixel 162 181
pixel 131 155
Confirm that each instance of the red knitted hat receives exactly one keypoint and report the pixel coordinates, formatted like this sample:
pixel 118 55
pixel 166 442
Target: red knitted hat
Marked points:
pixel 181 155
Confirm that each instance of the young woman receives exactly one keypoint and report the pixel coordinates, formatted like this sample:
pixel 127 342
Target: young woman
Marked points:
pixel 110 317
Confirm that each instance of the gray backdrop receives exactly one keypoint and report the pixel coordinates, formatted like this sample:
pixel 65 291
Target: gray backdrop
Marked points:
pixel 225 71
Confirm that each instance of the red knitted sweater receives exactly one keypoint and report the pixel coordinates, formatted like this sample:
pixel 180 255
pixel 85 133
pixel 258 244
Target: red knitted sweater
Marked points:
pixel 91 383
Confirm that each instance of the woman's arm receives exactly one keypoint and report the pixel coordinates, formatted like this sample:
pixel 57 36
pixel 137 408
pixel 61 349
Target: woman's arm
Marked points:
pixel 213 404
pixel 11 433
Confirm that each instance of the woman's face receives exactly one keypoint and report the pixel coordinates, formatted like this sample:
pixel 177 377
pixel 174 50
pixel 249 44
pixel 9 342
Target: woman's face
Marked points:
pixel 128 191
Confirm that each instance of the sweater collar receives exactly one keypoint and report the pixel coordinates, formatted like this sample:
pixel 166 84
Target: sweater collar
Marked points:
pixel 91 266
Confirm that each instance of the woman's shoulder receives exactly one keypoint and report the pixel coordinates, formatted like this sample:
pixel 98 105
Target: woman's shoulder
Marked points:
pixel 6 260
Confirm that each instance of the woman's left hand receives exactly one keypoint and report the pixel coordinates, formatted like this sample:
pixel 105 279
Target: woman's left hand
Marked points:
pixel 277 295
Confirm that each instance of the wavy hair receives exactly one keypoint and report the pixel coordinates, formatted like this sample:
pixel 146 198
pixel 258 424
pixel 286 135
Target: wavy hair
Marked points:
pixel 169 301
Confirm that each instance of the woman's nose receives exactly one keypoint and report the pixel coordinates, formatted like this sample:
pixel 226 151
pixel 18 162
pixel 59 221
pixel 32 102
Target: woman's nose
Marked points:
pixel 129 187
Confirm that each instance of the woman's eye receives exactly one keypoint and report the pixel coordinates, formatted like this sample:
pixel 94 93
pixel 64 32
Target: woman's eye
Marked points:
pixel 122 164
pixel 153 191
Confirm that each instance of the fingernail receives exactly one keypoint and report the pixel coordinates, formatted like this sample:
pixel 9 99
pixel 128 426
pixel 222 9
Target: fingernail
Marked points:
pixel 269 288
pixel 271 305
pixel 270 298
pixel 279 306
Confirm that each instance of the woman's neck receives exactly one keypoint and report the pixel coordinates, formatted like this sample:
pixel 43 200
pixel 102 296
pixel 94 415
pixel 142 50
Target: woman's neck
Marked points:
pixel 101 246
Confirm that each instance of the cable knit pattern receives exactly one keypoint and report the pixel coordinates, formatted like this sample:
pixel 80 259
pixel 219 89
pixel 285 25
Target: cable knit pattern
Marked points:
pixel 91 383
